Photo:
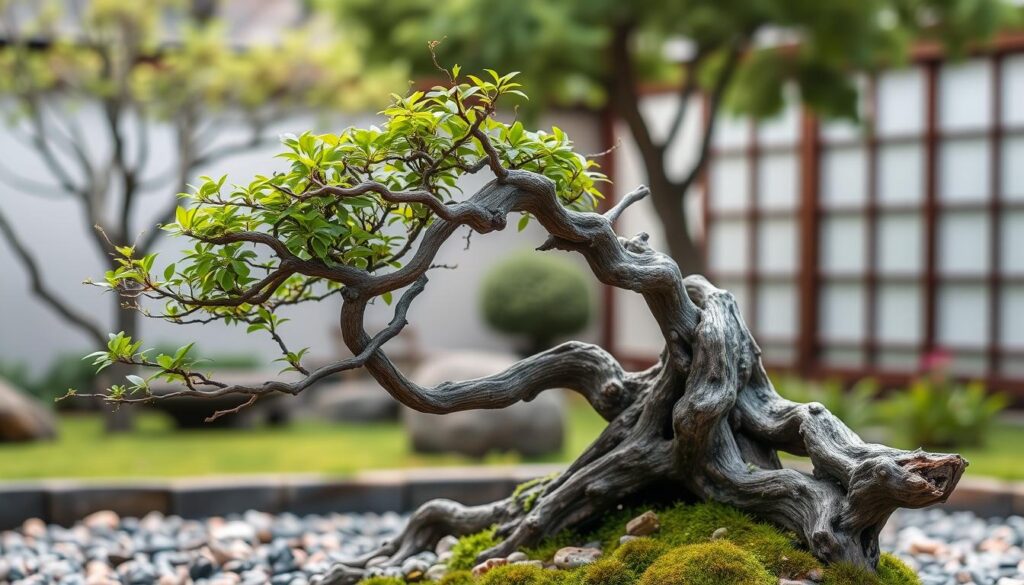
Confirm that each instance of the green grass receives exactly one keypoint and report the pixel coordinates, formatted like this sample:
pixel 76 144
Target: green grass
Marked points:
pixel 157 449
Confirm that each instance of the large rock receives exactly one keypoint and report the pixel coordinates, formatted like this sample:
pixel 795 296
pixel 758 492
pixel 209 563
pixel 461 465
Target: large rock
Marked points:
pixel 530 428
pixel 22 418
pixel 353 401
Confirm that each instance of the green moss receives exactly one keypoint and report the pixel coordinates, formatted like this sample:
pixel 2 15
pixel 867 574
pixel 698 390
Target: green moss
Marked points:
pixel 383 581
pixel 641 553
pixel 606 571
pixel 469 547
pixel 892 571
pixel 526 492
pixel 712 563
pixel 457 578
pixel 521 574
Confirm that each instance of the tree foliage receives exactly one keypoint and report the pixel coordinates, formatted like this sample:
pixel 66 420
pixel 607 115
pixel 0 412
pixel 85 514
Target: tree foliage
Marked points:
pixel 86 85
pixel 351 205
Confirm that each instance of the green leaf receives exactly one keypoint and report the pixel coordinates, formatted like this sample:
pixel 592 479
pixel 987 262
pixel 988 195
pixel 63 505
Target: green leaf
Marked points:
pixel 523 222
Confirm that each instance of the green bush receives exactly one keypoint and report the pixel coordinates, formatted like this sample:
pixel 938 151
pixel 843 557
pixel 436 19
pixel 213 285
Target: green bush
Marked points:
pixel 719 562
pixel 536 296
pixel 855 406
pixel 942 413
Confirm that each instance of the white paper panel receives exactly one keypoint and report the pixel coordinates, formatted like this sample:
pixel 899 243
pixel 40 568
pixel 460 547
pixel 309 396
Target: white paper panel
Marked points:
pixel 1013 90
pixel 842 312
pixel 1012 165
pixel 843 247
pixel 729 245
pixel 963 242
pixel 965 95
pixel 964 170
pixel 900 173
pixel 900 243
pixel 776 246
pixel 1012 248
pixel 740 291
pixel 1012 367
pixel 731 131
pixel 776 310
pixel 775 353
pixel 969 363
pixel 730 183
pixel 963 315
pixel 899 359
pixel 901 102
pixel 843 357
pixel 899 312
pixel 777 181
pixel 783 128
pixel 1011 328
pixel 844 176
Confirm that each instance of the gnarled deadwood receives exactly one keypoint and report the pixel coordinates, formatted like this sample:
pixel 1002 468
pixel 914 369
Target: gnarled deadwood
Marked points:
pixel 706 417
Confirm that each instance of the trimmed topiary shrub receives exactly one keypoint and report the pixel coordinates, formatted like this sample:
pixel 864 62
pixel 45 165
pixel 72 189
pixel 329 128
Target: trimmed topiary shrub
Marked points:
pixel 537 296
pixel 712 563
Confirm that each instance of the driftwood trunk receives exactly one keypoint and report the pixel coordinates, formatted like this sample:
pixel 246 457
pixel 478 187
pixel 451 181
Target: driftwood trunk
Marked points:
pixel 705 419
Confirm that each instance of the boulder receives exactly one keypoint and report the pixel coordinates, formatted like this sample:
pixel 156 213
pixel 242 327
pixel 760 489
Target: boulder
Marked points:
pixel 353 401
pixel 531 428
pixel 23 418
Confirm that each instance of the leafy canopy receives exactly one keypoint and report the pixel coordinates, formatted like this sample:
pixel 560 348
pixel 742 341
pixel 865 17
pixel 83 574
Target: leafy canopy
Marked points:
pixel 564 45
pixel 357 200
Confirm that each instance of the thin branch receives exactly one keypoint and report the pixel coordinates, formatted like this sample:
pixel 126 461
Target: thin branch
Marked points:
pixel 39 287
pixel 686 91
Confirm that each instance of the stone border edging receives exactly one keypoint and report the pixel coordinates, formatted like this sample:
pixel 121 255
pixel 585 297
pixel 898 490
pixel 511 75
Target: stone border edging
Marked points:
pixel 64 502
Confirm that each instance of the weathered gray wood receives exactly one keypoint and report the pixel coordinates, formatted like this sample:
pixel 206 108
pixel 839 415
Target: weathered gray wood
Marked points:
pixel 706 416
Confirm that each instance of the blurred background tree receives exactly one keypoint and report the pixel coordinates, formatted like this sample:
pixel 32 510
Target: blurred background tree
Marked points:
pixel 742 55
pixel 136 65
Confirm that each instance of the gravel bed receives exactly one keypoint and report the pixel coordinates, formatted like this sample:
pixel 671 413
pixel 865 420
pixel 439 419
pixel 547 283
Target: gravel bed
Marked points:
pixel 250 549
pixel 958 548
pixel 945 548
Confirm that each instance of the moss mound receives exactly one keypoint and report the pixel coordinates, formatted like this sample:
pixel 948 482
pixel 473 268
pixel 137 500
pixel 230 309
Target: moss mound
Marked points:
pixel 641 553
pixel 382 581
pixel 680 547
pixel 711 563
pixel 521 575
pixel 469 547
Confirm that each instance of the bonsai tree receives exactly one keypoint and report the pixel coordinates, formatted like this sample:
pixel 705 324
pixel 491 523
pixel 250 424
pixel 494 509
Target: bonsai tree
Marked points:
pixel 362 214
pixel 741 56
pixel 90 90
pixel 541 298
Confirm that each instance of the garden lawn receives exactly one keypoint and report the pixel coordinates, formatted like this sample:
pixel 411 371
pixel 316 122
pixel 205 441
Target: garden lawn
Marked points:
pixel 156 449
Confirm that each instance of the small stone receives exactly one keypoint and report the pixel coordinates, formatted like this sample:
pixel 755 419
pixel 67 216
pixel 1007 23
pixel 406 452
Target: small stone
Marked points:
pixel 436 573
pixel 816 574
pixel 236 530
pixel 518 557
pixel 572 557
pixel 484 567
pixel 720 533
pixel 34 527
pixel 445 545
pixel 792 582
pixel 645 524
pixel 414 569
pixel 102 520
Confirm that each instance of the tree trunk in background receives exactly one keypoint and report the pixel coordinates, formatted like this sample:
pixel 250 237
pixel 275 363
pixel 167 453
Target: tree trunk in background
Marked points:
pixel 117 419
pixel 667 197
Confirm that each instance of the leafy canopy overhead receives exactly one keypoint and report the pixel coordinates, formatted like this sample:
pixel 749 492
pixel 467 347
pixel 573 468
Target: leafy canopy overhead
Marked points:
pixel 354 201
pixel 565 45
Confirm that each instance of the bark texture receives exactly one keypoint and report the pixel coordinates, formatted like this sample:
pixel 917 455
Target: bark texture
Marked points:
pixel 705 419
